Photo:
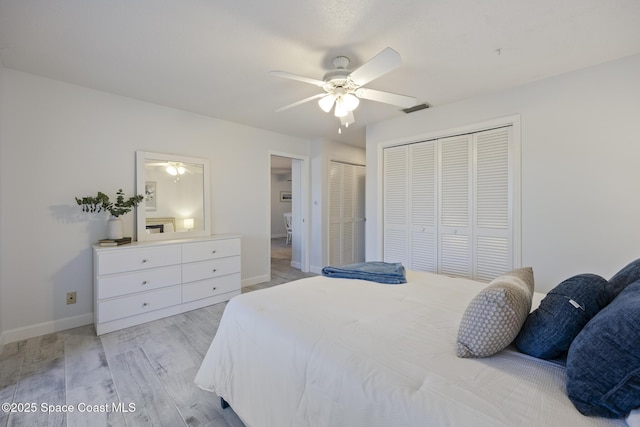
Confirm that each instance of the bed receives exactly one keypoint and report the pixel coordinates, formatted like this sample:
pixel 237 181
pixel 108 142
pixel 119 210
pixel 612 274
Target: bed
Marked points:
pixel 338 352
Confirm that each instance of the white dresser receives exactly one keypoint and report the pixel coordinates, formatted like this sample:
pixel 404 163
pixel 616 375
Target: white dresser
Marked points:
pixel 146 281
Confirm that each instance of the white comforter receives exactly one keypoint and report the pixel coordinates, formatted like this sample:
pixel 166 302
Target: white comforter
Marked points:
pixel 337 352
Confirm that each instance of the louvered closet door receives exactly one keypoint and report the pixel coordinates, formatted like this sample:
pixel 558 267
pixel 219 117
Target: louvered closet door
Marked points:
pixel 395 204
pixel 493 254
pixel 423 202
pixel 447 205
pixel 335 214
pixel 359 218
pixel 346 213
pixel 455 206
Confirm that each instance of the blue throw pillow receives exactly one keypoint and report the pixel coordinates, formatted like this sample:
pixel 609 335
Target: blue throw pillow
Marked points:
pixel 551 328
pixel 629 274
pixel 603 364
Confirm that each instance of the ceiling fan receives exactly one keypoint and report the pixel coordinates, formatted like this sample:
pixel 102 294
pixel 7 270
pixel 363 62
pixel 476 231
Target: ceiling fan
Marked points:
pixel 343 89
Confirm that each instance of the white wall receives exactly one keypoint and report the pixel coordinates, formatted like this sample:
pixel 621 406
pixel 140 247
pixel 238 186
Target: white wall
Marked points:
pixel 61 141
pixel 322 152
pixel 580 173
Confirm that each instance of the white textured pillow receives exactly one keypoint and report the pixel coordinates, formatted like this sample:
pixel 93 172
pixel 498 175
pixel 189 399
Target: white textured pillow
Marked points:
pixel 494 316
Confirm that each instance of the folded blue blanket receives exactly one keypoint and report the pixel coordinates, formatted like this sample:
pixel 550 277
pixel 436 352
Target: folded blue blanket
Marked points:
pixel 375 271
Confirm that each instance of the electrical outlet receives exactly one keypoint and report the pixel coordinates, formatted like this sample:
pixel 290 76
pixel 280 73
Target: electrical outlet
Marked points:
pixel 71 298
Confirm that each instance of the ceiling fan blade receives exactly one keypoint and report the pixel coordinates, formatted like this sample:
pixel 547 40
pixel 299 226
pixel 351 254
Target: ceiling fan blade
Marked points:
pixel 302 101
pixel 348 120
pixel 380 64
pixel 386 97
pixel 297 77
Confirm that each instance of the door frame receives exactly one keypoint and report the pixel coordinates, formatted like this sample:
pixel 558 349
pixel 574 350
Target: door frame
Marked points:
pixel 302 204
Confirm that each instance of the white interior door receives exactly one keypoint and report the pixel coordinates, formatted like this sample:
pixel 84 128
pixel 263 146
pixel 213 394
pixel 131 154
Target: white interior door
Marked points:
pixel 423 204
pixel 297 217
pixel 395 209
pixel 455 206
pixel 346 213
pixel 492 220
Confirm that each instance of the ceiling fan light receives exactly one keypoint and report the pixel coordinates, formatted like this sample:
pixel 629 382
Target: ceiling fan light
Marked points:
pixel 340 110
pixel 326 102
pixel 171 170
pixel 350 102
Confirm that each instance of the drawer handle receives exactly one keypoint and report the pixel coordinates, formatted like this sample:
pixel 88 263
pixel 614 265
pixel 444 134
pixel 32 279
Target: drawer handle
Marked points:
pixel 214 270
pixel 144 304
pixel 144 260
pixel 144 282
pixel 213 251
pixel 214 288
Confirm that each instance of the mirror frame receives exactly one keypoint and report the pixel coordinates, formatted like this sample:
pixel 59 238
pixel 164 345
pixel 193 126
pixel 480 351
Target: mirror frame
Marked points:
pixel 141 216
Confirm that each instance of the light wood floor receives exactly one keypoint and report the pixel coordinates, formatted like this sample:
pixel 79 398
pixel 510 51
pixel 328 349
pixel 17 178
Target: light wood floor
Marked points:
pixel 147 369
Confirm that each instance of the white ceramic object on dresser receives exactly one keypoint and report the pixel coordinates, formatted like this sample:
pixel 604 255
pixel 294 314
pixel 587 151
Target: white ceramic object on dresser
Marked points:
pixel 146 281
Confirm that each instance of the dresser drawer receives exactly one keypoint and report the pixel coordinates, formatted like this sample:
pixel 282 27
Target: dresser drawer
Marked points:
pixel 118 308
pixel 212 268
pixel 210 287
pixel 146 281
pixel 137 259
pixel 138 281
pixel 201 251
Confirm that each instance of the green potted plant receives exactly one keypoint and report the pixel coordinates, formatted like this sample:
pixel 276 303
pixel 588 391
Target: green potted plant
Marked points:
pixel 102 203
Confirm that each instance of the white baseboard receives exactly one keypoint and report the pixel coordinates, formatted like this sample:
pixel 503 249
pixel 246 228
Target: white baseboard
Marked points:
pixel 44 328
pixel 277 236
pixel 296 264
pixel 255 280
pixel 316 270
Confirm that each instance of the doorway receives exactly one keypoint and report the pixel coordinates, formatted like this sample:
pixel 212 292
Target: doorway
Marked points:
pixel 288 248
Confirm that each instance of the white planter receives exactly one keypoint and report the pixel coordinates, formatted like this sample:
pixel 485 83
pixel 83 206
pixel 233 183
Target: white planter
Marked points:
pixel 114 230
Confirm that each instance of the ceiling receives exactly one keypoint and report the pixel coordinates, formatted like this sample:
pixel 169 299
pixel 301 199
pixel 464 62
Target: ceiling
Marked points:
pixel 213 57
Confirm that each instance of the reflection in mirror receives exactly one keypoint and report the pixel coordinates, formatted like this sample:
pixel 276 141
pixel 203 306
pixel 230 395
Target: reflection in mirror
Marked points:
pixel 176 190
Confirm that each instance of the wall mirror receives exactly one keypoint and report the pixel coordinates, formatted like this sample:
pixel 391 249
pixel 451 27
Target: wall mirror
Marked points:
pixel 177 196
